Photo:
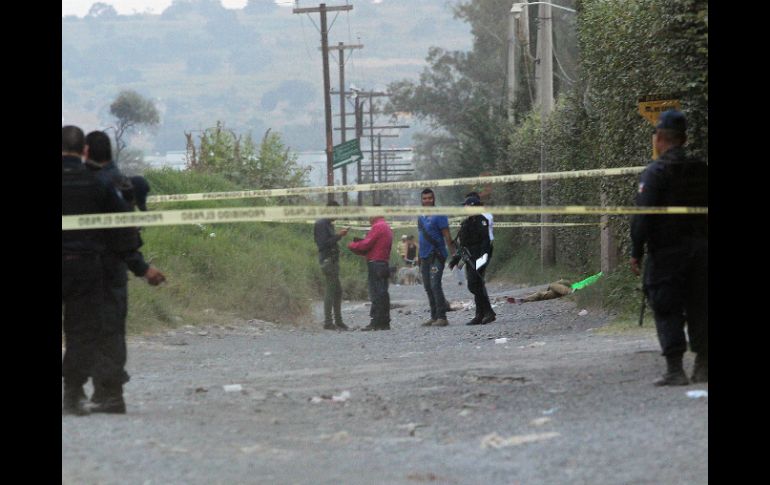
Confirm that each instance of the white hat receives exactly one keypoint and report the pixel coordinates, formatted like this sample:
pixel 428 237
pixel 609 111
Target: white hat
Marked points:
pixel 403 237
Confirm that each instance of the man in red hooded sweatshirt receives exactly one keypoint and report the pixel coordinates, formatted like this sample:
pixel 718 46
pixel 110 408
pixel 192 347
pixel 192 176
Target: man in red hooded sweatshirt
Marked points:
pixel 376 248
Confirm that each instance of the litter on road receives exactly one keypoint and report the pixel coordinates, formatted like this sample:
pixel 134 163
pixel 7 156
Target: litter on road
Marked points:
pixel 494 440
pixel 697 394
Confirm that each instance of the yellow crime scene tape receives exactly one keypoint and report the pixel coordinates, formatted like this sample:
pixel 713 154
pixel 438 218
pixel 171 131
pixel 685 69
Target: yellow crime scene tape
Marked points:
pixel 498 225
pixel 273 214
pixel 406 224
pixel 415 184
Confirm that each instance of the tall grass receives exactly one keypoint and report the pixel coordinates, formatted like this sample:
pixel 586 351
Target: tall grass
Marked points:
pixel 258 270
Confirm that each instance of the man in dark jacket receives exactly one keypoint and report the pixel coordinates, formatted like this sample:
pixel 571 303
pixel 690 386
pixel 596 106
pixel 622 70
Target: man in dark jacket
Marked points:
pixel 474 249
pixel 329 257
pixel 140 189
pixel 112 355
pixel 676 269
pixel 83 269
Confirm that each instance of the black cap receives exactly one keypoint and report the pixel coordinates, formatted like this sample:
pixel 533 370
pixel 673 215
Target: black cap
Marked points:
pixel 672 120
pixel 472 201
pixel 141 189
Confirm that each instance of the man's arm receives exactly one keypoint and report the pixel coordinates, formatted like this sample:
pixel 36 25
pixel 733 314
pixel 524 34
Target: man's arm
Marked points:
pixel 136 263
pixel 448 238
pixel 648 195
pixel 126 241
pixel 363 246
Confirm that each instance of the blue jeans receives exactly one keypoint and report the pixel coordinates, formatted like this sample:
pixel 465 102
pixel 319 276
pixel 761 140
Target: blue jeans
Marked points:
pixel 378 292
pixel 432 270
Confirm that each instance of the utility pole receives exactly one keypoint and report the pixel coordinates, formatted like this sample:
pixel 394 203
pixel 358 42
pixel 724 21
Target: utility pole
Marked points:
pixel 371 143
pixel 341 48
pixel 379 161
pixel 518 39
pixel 513 17
pixel 359 126
pixel 322 9
pixel 359 132
pixel 376 163
pixel 545 98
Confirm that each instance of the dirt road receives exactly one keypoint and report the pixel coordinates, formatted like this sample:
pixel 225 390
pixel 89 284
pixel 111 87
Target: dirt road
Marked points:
pixel 563 401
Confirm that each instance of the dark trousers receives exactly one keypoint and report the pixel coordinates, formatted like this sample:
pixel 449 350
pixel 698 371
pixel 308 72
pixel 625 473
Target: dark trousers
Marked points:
pixel 477 286
pixel 676 282
pixel 111 354
pixel 378 274
pixel 330 267
pixel 432 270
pixel 82 298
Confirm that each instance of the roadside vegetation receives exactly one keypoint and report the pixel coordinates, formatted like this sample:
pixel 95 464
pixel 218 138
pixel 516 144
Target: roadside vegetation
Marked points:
pixel 615 52
pixel 259 270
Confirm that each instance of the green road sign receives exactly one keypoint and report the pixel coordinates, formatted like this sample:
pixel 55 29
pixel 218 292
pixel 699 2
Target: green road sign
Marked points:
pixel 348 152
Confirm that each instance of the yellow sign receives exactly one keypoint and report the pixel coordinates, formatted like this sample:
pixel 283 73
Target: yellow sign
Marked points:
pixel 650 107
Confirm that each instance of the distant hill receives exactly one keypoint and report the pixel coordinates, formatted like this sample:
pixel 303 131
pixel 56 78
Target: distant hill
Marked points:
pixel 254 68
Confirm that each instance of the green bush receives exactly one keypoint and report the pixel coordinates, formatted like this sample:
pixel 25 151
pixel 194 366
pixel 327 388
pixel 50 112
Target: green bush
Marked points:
pixel 627 50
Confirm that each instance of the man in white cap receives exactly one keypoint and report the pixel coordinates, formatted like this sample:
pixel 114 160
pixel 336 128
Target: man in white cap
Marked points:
pixel 402 247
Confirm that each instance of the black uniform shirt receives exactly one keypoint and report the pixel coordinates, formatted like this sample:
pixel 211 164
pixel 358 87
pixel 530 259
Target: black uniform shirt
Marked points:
pixel 110 174
pixel 83 193
pixel 672 180
pixel 474 235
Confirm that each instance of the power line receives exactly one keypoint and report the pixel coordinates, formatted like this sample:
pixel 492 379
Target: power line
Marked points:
pixel 347 16
pixel 304 39
pixel 334 20
pixel 558 63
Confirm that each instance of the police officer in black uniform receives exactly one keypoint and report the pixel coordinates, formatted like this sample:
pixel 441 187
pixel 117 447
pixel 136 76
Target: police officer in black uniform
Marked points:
pixel 473 243
pixel 676 270
pixel 82 268
pixel 112 354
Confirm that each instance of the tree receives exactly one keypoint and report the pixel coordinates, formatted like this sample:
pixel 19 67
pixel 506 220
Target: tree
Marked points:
pixel 102 10
pixel 462 96
pixel 131 110
pixel 237 157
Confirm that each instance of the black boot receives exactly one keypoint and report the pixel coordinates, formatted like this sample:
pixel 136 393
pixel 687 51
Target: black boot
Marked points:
pixel 98 395
pixel 376 326
pixel 330 326
pixel 700 373
pixel 73 402
pixel 489 318
pixel 341 326
pixel 674 375
pixel 111 401
pixel 476 320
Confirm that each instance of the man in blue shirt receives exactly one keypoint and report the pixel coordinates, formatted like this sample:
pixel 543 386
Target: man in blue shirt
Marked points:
pixel 434 232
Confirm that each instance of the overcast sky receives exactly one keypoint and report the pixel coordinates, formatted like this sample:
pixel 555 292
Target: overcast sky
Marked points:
pixel 128 7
